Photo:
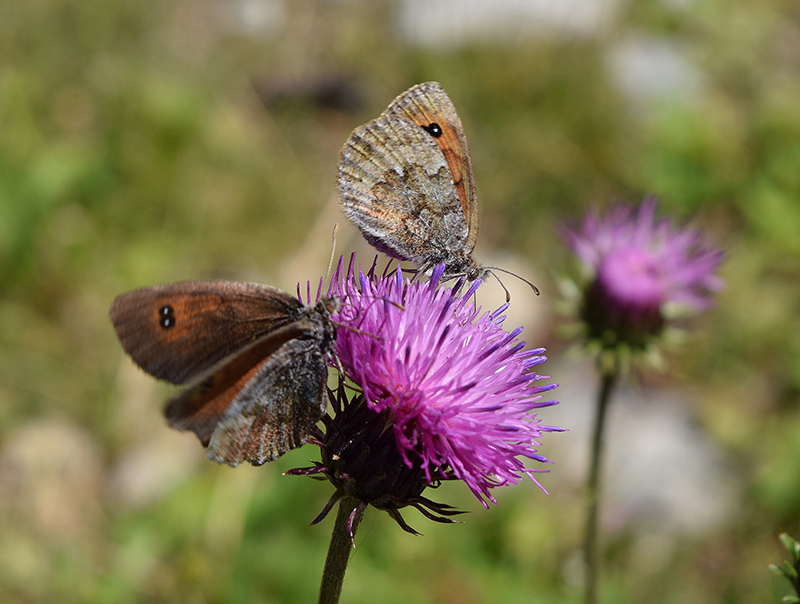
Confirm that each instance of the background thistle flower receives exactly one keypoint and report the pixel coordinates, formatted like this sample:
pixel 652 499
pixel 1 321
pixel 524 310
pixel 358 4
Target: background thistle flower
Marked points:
pixel 639 273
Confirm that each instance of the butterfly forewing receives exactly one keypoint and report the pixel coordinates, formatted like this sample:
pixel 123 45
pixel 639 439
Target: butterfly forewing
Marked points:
pixel 428 105
pixel 176 332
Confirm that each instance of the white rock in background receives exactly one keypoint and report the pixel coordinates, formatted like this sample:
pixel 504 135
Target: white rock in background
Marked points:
pixel 648 69
pixel 452 23
pixel 661 473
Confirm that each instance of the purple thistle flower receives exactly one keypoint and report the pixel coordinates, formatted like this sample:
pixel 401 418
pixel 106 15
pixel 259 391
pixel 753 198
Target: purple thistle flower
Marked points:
pixel 454 387
pixel 641 272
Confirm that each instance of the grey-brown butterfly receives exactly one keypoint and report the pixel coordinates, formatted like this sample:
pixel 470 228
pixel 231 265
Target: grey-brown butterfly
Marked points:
pixel 406 182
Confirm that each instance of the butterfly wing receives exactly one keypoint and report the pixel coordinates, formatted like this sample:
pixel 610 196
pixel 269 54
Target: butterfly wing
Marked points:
pixel 395 186
pixel 179 331
pixel 427 105
pixel 263 402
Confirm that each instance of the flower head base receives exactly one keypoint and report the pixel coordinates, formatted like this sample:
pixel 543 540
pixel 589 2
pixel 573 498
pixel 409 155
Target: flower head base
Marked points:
pixel 455 390
pixel 360 457
pixel 641 273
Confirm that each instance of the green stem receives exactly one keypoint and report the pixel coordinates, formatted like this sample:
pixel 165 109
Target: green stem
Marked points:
pixel 608 381
pixel 338 553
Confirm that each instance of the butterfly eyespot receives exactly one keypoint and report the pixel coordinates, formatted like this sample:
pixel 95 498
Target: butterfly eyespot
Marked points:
pixel 166 317
pixel 434 129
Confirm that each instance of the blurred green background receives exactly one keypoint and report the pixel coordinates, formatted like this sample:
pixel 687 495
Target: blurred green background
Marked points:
pixel 143 142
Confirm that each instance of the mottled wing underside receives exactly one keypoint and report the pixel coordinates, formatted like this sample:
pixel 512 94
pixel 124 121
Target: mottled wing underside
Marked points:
pixel 263 402
pixel 428 103
pixel 396 188
pixel 406 181
pixel 276 411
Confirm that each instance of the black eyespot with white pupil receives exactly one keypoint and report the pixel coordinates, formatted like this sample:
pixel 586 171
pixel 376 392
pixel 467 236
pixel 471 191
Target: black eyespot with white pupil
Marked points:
pixel 434 129
pixel 166 317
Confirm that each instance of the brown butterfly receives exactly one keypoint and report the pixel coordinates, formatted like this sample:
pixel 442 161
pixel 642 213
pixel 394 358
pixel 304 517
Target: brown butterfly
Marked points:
pixel 253 357
pixel 406 182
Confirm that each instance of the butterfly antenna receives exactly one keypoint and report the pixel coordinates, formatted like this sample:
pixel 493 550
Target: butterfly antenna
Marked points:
pixel 523 279
pixel 333 250
pixel 357 330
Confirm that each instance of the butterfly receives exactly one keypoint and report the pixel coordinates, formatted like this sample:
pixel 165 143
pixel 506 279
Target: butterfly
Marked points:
pixel 253 357
pixel 405 180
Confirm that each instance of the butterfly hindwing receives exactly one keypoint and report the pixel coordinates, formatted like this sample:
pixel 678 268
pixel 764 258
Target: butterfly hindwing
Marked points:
pixel 396 188
pixel 276 411
pixel 406 182
pixel 264 401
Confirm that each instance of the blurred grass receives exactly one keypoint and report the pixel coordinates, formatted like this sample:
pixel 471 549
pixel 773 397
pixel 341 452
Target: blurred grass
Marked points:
pixel 134 151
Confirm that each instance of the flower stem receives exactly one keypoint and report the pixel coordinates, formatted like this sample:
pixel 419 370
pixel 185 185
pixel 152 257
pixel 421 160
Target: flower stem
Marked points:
pixel 608 381
pixel 338 552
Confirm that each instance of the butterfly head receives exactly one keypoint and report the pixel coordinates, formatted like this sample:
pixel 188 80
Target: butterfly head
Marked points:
pixel 462 265
pixel 473 271
pixel 328 305
pixel 322 311
pixel 477 271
